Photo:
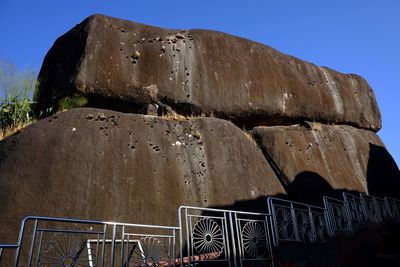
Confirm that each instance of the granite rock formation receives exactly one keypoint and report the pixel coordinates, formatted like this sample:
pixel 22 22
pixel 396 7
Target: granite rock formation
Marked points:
pixel 128 66
pixel 169 131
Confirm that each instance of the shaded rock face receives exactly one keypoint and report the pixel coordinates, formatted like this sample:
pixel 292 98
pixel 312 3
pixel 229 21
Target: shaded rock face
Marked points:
pixel 106 165
pixel 315 160
pixel 198 72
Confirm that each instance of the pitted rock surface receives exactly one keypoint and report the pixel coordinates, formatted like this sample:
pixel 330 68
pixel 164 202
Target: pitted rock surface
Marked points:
pixel 316 159
pixel 122 65
pixel 105 165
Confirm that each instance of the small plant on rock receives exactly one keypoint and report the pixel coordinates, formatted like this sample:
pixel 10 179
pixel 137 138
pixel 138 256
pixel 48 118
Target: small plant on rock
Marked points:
pixel 15 99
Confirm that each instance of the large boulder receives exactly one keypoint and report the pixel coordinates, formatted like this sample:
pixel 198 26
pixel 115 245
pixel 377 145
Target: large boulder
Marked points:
pixel 106 165
pixel 123 65
pixel 312 160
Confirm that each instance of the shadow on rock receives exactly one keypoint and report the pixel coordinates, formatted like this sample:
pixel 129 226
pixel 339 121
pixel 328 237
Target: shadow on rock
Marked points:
pixel 383 175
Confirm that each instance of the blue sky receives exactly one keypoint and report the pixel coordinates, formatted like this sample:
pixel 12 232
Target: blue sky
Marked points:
pixel 351 36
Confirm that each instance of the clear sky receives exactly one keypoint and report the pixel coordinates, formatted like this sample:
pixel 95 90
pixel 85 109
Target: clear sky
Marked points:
pixel 351 36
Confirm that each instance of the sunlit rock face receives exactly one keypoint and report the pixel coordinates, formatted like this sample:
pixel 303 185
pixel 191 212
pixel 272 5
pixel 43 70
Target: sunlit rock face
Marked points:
pixel 198 72
pixel 105 165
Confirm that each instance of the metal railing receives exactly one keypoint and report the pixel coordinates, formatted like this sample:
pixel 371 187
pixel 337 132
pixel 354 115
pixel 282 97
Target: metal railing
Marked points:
pixel 295 221
pixel 393 205
pixel 235 237
pixel 337 216
pixel 47 241
pixel 226 237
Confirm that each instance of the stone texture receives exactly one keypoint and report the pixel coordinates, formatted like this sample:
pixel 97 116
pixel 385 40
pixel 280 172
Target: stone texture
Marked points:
pixel 315 159
pixel 105 165
pixel 198 72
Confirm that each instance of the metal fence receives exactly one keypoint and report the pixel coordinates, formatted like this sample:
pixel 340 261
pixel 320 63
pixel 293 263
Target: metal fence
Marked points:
pixel 45 241
pixel 294 221
pixel 356 210
pixel 336 215
pixel 393 205
pixel 223 237
pixel 226 236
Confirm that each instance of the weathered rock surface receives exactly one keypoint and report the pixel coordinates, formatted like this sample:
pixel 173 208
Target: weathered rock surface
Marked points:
pixel 106 165
pixel 316 159
pixel 198 72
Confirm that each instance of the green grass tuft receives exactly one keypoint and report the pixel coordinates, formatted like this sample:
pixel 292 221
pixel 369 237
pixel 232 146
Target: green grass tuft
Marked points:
pixel 74 101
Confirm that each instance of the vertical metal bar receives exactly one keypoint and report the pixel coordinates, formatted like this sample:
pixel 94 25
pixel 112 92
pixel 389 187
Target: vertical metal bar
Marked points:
pixel 127 250
pixel 39 249
pixel 32 243
pixel 104 244
pixel 326 214
pixel 180 235
pixel 239 238
pixel 89 251
pixel 122 244
pixel 1 253
pixel 335 226
pixel 226 238
pixel 385 200
pixel 379 215
pixel 169 246
pixel 97 250
pixel 174 246
pixel 20 237
pixel 327 223
pixel 364 208
pixel 395 210
pixel 332 217
pixel 269 246
pixel 348 213
pixel 233 238
pixel 188 239
pixel 314 231
pixel 383 209
pixel 389 209
pixel 114 230
pixel 363 214
pixel 274 225
pixel 294 221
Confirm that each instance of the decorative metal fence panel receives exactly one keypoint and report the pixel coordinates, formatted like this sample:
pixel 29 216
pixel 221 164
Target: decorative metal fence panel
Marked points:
pixel 294 221
pixel 370 209
pixel 356 210
pixel 382 208
pixel 146 245
pixel 45 241
pixel 228 237
pixel 393 206
pixel 337 216
pixel 253 237
pixel 376 209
